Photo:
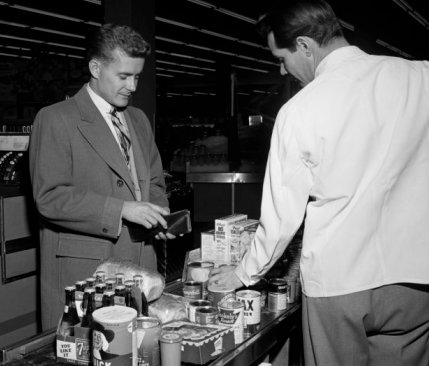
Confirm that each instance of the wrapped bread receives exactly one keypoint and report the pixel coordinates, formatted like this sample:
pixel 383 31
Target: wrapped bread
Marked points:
pixel 168 307
pixel 152 285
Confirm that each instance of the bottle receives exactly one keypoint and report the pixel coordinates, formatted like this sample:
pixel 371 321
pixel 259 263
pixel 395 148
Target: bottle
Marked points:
pixel 90 282
pixel 70 317
pixel 120 278
pixel 87 317
pixel 108 299
pixel 129 299
pixel 100 276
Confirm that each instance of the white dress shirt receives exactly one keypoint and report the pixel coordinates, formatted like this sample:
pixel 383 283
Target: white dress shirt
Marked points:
pixel 356 141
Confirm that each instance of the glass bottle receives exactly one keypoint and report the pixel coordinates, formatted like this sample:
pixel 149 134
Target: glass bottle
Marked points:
pixel 129 299
pixel 87 317
pixel 70 317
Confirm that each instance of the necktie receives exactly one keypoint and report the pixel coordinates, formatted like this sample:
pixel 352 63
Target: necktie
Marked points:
pixel 123 135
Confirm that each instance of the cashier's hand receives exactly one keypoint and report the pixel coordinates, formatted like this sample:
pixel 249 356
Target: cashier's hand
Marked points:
pixel 225 276
pixel 147 214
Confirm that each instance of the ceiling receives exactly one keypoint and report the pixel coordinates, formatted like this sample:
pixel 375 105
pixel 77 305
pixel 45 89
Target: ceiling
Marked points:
pixel 194 38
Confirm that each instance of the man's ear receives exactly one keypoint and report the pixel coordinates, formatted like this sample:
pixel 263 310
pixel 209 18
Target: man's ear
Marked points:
pixel 305 45
pixel 94 68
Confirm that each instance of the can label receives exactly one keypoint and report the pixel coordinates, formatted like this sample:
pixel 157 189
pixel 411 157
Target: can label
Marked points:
pixel 232 313
pixel 192 307
pixel 218 294
pixel 252 309
pixel 192 290
pixel 206 315
pixel 114 336
pixel 278 293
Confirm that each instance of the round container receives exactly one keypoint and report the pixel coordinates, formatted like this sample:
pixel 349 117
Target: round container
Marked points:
pixel 291 294
pixel 113 336
pixel 218 294
pixel 199 271
pixel 193 306
pixel 231 312
pixel 148 334
pixel 171 349
pixel 206 315
pixel 252 309
pixel 262 287
pixel 277 294
pixel 192 290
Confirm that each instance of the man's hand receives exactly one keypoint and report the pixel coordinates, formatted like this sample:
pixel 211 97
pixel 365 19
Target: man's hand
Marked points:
pixel 145 213
pixel 225 276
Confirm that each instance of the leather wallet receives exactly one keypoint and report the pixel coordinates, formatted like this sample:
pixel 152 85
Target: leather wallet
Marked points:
pixel 178 223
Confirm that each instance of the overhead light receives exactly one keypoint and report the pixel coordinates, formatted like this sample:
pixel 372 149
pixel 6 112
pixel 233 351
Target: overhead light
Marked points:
pixel 65 46
pixel 347 25
pixel 409 9
pixel 179 71
pixel 13 55
pixel 250 69
pixel 58 32
pixel 48 13
pixel 16 48
pixel 21 38
pixel 185 65
pixel 224 11
pixel 393 48
pixel 96 2
pixel 164 75
pixel 186 56
pixel 13 24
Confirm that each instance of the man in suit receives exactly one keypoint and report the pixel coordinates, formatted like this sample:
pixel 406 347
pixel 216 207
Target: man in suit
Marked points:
pixel 94 168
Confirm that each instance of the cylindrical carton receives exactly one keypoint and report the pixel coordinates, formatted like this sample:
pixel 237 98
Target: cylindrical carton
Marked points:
pixel 171 349
pixel 206 315
pixel 252 309
pixel 192 307
pixel 114 336
pixel 148 334
pixel 231 312
pixel 218 294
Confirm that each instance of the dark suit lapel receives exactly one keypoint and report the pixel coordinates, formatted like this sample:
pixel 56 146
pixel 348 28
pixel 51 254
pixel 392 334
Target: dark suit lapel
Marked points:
pixel 98 134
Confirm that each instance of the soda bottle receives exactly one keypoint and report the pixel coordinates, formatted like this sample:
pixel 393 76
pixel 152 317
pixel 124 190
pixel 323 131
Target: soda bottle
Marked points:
pixel 87 317
pixel 70 317
pixel 129 299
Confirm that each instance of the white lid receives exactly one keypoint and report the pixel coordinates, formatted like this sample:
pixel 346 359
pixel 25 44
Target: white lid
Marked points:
pixel 114 314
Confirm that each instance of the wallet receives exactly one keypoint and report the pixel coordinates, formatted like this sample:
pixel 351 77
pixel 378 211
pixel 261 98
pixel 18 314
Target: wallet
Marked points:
pixel 178 223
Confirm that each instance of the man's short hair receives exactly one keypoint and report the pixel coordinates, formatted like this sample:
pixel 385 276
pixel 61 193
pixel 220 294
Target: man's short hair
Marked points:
pixel 293 18
pixel 112 36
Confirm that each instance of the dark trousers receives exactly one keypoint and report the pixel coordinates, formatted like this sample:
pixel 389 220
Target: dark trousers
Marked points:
pixel 386 326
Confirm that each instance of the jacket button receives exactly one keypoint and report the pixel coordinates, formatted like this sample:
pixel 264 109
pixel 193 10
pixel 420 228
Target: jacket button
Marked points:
pixel 105 230
pixel 120 182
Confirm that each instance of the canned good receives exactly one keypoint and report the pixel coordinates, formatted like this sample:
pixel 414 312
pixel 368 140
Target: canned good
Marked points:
pixel 261 286
pixel 291 294
pixel 193 306
pixel 192 290
pixel 218 294
pixel 252 309
pixel 206 315
pixel 277 294
pixel 231 312
pixel 171 349
pixel 200 271
pixel 113 336
pixel 148 334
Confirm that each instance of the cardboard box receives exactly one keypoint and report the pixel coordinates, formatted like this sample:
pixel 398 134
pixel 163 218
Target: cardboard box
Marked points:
pixel 223 231
pixel 75 349
pixel 210 250
pixel 242 234
pixel 202 343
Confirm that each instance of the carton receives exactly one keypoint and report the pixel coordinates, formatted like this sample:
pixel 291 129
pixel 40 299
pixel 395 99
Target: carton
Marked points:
pixel 242 234
pixel 75 349
pixel 201 343
pixel 210 250
pixel 223 235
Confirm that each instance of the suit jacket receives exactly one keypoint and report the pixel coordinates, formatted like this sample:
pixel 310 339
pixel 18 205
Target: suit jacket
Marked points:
pixel 80 181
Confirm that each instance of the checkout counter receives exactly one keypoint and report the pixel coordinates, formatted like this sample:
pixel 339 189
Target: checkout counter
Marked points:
pixel 275 330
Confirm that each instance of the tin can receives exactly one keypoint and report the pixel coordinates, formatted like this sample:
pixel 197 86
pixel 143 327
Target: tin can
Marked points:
pixel 114 336
pixel 148 334
pixel 199 271
pixel 231 312
pixel 206 315
pixel 192 290
pixel 193 306
pixel 277 294
pixel 252 309
pixel 291 294
pixel 218 294
pixel 171 349
pixel 261 286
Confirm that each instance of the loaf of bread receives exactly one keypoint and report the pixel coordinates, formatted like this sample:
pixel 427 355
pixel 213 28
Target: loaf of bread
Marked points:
pixel 168 307
pixel 152 285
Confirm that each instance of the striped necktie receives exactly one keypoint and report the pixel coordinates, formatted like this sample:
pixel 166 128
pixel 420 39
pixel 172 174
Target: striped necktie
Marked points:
pixel 123 135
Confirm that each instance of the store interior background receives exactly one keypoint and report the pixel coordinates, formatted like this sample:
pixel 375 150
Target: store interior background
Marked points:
pixel 209 75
